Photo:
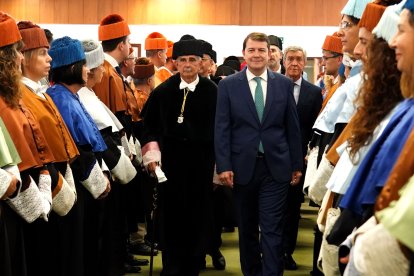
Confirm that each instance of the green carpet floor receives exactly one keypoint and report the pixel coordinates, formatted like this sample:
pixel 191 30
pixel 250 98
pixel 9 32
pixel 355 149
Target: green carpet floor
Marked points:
pixel 230 250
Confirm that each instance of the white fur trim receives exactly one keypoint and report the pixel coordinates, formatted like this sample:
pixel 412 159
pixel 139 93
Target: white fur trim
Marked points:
pixel 124 171
pixel 125 144
pixel 5 180
pixel 132 145
pixel 104 167
pixel 377 253
pixel 329 252
pixel 64 200
pixel 96 181
pixel 311 169
pixel 317 189
pixel 69 178
pixel 14 170
pixel 45 186
pixel 29 204
pixel 138 153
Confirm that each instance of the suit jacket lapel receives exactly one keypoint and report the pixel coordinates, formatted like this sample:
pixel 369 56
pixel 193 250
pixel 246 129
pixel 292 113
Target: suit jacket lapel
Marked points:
pixel 302 94
pixel 247 95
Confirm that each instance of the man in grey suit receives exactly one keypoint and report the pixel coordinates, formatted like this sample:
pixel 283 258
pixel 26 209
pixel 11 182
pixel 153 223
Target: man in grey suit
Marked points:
pixel 308 98
pixel 258 153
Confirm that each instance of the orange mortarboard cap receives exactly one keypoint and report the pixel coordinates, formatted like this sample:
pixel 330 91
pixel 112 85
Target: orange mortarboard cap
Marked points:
pixel 9 31
pixel 371 16
pixel 170 45
pixel 155 41
pixel 332 43
pixel 112 26
pixel 33 36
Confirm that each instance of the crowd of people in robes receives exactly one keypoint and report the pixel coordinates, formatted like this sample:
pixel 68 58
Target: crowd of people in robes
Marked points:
pixel 105 156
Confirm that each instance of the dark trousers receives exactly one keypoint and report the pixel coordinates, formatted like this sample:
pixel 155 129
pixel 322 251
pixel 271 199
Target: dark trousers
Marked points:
pixel 262 202
pixel 218 207
pixel 180 264
pixel 292 216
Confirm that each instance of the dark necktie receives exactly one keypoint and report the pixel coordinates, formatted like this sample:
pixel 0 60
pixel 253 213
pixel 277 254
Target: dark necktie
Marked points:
pixel 118 70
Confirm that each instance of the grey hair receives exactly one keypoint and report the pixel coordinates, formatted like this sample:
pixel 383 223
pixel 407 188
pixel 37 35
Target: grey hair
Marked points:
pixel 294 49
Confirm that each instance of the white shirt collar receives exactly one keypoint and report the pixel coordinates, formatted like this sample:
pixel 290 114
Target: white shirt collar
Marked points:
pixel 250 75
pixel 36 87
pixel 190 86
pixel 111 60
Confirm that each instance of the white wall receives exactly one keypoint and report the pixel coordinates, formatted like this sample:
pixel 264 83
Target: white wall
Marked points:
pixel 226 40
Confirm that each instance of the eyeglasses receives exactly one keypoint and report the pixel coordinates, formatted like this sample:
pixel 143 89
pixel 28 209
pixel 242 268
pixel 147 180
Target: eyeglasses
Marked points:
pixel 185 60
pixel 345 25
pixel 326 58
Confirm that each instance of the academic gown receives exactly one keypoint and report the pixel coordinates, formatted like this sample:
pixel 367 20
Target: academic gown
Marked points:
pixel 85 219
pixel 12 255
pixel 47 237
pixel 116 204
pixel 184 203
pixel 373 172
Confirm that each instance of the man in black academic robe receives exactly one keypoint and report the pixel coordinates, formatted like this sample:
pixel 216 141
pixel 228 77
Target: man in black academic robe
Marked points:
pixel 178 137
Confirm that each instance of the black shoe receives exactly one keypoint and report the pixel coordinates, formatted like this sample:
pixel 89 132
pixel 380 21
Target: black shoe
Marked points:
pixel 147 242
pixel 289 262
pixel 316 272
pixel 219 262
pixel 131 269
pixel 141 249
pixel 132 261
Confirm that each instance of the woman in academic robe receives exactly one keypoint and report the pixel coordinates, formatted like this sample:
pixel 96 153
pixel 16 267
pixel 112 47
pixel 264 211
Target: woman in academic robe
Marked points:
pixel 32 198
pixel 69 74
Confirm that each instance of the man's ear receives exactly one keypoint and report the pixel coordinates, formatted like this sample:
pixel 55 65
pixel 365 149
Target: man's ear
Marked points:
pixel 121 45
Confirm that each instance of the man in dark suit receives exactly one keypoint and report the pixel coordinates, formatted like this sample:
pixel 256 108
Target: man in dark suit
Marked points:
pixel 308 98
pixel 258 153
